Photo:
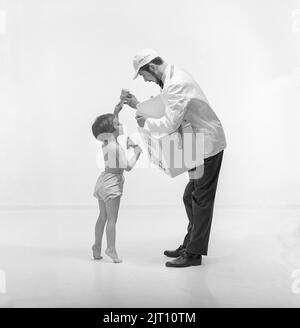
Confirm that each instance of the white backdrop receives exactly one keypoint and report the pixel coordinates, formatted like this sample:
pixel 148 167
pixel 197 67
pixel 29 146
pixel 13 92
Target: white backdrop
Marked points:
pixel 65 62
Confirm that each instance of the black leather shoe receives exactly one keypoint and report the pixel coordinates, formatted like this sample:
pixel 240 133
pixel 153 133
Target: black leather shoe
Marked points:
pixel 177 252
pixel 185 260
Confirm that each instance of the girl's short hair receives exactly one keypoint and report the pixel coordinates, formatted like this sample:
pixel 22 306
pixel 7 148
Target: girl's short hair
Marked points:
pixel 103 124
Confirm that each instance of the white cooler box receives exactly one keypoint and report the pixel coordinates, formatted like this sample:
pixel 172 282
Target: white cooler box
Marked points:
pixel 174 153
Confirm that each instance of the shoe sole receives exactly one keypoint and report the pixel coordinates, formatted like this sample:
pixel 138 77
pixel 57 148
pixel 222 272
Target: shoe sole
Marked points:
pixel 169 265
pixel 172 256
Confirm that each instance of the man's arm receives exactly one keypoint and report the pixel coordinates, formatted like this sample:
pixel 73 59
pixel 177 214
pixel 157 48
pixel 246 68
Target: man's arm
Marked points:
pixel 175 110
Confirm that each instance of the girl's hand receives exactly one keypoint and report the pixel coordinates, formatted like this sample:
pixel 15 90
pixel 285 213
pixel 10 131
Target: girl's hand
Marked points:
pixel 140 120
pixel 130 143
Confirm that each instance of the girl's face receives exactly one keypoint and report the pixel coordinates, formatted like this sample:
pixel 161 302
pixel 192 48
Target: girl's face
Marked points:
pixel 118 126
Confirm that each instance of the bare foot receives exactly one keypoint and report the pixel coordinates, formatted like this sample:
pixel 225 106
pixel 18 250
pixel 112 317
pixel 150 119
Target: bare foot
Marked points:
pixel 113 255
pixel 96 253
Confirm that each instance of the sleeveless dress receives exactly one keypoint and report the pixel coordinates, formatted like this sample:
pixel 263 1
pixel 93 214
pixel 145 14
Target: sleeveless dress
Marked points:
pixel 110 182
pixel 109 185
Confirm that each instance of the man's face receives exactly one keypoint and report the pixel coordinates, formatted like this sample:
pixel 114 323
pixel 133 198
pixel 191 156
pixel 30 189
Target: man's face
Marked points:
pixel 149 77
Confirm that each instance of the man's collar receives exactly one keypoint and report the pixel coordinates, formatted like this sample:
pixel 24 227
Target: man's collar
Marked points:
pixel 165 73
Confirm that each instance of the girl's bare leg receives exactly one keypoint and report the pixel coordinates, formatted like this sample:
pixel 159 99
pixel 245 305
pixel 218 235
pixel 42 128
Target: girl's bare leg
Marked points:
pixel 99 229
pixel 112 208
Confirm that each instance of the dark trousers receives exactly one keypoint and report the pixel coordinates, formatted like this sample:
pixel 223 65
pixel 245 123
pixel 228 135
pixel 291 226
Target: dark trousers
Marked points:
pixel 198 198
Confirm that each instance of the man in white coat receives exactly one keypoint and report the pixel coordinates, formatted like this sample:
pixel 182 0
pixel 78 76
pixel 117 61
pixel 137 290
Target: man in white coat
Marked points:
pixel 185 103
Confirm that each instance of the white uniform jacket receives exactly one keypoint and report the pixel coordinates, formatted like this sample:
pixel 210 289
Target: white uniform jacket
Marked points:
pixel 186 103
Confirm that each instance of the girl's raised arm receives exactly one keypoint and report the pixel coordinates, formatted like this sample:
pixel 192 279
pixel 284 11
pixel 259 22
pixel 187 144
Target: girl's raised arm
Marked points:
pixel 118 108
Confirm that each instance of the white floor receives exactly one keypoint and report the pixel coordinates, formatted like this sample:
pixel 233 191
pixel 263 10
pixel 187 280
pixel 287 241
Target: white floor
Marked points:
pixel 46 258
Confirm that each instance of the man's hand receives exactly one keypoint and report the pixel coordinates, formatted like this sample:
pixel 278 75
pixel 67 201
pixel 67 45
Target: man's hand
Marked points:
pixel 140 120
pixel 130 100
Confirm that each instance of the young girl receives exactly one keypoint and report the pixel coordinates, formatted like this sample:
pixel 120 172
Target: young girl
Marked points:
pixel 109 186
